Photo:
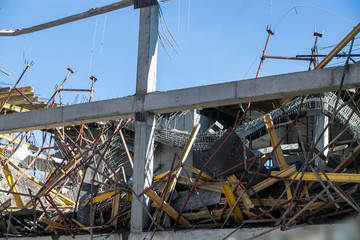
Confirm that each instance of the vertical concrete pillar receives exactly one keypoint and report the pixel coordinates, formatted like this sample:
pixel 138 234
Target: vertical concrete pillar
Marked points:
pixel 319 124
pixel 144 122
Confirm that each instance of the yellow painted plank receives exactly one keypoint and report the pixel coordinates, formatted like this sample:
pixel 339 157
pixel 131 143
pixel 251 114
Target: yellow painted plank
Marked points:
pixel 64 199
pixel 10 180
pixel 240 189
pixel 270 181
pixel 334 177
pixel 115 208
pixel 16 93
pixel 183 157
pixel 101 196
pixel 211 187
pixel 16 98
pixel 330 56
pixel 59 174
pixel 15 108
pixel 204 175
pixel 230 197
pixel 17 141
pixel 278 152
pixel 167 208
pixel 52 224
pixel 344 163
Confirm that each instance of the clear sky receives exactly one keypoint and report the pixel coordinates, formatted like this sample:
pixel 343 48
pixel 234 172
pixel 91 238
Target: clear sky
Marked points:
pixel 219 41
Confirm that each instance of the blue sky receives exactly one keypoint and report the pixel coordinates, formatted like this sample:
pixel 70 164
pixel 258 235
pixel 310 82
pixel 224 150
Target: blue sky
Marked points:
pixel 217 42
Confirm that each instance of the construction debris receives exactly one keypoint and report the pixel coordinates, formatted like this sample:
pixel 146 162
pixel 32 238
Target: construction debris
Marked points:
pixel 79 179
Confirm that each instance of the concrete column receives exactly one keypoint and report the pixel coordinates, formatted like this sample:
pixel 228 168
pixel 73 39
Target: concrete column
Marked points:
pixel 147 50
pixel 320 122
pixel 144 121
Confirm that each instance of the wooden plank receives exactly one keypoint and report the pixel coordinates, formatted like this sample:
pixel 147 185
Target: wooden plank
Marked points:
pixel 349 159
pixel 239 190
pixel 167 208
pixel 183 157
pixel 17 141
pixel 101 196
pixel 270 181
pixel 38 183
pixel 10 180
pixel 24 90
pixel 230 197
pixel 59 174
pixel 204 175
pixel 211 187
pixel 52 224
pixel 278 152
pixel 334 177
pixel 16 98
pixel 330 56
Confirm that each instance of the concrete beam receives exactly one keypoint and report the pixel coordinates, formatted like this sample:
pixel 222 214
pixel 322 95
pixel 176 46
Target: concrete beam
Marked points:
pixel 90 13
pixel 265 88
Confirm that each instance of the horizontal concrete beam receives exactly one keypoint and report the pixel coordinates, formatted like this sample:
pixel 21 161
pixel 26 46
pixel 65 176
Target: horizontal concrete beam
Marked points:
pixel 90 13
pixel 266 88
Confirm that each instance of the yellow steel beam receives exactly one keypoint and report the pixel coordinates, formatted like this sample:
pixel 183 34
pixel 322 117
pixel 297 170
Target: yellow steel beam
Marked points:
pixel 334 177
pixel 230 197
pixel 167 208
pixel 278 152
pixel 330 56
pixel 344 163
pixel 17 141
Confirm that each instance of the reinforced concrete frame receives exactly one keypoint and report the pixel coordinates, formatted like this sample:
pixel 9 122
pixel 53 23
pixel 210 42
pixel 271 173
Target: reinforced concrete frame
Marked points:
pixel 147 102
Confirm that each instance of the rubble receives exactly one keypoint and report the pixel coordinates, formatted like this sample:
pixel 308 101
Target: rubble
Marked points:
pixel 86 185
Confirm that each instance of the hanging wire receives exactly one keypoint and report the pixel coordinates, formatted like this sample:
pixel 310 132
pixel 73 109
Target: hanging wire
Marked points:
pixel 163 35
pixel 103 34
pixel 253 62
pixel 93 44
pixel 188 25
pixel 179 16
pixel 309 6
pixel 334 45
pixel 293 1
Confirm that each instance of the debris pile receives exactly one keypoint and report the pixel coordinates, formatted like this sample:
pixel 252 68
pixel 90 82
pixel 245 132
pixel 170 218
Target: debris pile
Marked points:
pixel 80 179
